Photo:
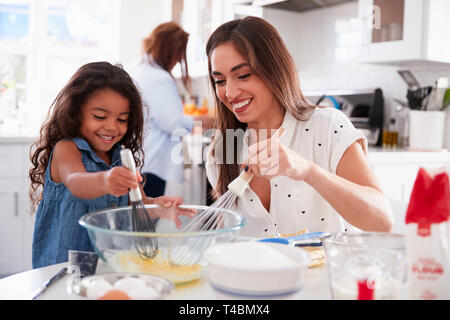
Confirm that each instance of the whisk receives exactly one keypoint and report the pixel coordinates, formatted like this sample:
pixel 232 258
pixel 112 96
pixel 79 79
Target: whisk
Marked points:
pixel 190 252
pixel 146 247
pixel 210 219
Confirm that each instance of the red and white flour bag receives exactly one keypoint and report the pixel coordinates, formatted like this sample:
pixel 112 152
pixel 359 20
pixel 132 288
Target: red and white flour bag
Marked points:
pixel 428 236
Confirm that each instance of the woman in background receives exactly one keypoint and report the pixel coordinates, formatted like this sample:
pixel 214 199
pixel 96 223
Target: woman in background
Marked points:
pixel 162 50
pixel 316 175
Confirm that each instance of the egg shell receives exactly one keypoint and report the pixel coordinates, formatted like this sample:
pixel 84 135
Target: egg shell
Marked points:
pixel 97 288
pixel 143 293
pixel 128 284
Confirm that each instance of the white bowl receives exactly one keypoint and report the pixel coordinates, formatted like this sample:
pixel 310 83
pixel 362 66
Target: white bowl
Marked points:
pixel 256 268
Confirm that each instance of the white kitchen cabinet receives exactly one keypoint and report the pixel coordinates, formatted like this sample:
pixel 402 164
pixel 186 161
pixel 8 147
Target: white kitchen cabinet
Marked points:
pixel 404 32
pixel 397 170
pixel 16 222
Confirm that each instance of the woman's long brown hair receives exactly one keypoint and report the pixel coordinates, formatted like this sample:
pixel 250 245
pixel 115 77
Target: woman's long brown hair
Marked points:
pixel 167 45
pixel 261 45
pixel 64 117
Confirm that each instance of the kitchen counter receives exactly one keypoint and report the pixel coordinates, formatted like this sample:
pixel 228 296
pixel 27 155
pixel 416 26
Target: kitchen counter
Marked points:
pixel 405 155
pixel 17 140
pixel 20 286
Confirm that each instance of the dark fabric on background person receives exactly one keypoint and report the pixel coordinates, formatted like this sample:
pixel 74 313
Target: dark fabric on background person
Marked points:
pixel 154 186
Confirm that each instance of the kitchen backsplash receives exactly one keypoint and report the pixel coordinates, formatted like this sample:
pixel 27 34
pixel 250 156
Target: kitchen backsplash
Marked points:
pixel 325 45
pixel 326 48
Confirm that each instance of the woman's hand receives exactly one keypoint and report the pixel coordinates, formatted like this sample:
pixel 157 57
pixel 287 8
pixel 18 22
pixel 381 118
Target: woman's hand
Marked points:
pixel 119 180
pixel 171 210
pixel 269 158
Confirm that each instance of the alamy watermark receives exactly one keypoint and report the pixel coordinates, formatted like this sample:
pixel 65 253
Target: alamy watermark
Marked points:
pixel 237 141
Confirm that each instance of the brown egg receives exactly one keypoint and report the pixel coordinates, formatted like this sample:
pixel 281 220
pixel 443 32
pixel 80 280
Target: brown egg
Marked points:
pixel 115 295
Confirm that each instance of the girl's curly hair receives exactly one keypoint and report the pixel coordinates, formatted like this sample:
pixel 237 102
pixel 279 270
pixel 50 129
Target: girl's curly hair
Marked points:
pixel 64 116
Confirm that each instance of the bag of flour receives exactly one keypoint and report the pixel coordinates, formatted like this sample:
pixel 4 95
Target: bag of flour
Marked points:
pixel 428 236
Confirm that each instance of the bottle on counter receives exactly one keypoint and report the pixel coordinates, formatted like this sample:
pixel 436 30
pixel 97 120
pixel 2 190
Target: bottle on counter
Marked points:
pixel 402 123
pixel 390 136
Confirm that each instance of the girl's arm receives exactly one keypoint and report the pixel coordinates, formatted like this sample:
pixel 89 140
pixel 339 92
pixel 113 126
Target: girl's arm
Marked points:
pixel 67 167
pixel 353 191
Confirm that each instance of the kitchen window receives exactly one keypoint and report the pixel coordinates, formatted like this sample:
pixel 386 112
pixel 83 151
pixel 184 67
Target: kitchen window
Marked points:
pixel 42 43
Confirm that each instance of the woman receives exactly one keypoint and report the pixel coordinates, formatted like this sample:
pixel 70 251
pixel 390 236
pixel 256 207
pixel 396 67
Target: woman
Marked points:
pixel 315 175
pixel 162 50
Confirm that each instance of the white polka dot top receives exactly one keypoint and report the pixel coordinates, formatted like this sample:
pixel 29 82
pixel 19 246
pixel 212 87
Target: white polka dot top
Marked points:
pixel 294 205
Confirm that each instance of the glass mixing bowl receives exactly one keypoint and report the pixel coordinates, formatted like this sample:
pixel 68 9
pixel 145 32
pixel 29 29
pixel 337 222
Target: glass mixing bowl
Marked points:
pixel 376 260
pixel 111 235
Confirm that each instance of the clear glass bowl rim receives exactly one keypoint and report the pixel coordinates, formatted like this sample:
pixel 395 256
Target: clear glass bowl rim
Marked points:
pixel 83 222
pixel 335 236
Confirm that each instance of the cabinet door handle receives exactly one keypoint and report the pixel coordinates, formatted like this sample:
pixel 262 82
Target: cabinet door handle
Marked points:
pixel 16 204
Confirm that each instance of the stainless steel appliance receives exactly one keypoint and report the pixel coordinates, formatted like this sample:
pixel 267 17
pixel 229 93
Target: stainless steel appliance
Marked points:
pixel 364 108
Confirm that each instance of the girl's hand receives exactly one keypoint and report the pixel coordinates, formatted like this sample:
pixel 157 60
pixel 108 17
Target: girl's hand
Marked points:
pixel 119 180
pixel 269 158
pixel 171 210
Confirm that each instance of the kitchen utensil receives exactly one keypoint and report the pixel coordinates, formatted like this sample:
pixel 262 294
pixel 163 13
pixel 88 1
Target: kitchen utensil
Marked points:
pixel 366 265
pixel 61 273
pixel 189 253
pixel 293 240
pixel 409 78
pixel 147 247
pixel 112 236
pixel 256 268
pixel 209 220
pixel 416 97
pixel 238 185
pixel 161 287
pixel 435 100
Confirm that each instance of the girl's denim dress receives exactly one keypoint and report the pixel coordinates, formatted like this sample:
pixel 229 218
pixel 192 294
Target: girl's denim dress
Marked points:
pixel 56 229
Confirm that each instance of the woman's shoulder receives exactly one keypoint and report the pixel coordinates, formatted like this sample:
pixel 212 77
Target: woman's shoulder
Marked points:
pixel 146 71
pixel 326 114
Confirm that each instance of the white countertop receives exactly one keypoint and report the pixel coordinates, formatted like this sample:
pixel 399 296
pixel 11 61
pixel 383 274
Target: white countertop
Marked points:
pixel 16 140
pixel 20 286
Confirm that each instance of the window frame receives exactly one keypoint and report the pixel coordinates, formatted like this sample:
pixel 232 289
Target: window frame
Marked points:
pixel 38 54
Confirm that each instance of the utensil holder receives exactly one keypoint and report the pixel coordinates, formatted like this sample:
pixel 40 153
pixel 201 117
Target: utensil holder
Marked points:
pixel 426 130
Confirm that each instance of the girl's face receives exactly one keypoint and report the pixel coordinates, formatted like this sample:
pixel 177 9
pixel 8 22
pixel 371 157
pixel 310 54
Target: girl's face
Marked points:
pixel 104 120
pixel 244 93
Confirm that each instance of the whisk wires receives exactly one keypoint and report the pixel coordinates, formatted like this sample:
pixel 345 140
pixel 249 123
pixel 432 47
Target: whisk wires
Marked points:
pixel 191 251
pixel 146 247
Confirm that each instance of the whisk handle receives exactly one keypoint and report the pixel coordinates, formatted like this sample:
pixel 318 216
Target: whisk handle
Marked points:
pixel 128 162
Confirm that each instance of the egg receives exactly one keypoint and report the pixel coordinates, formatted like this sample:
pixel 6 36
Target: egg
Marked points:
pixel 97 288
pixel 143 293
pixel 115 295
pixel 128 283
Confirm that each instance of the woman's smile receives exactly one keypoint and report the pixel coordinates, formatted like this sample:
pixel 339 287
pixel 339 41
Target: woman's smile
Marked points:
pixel 241 105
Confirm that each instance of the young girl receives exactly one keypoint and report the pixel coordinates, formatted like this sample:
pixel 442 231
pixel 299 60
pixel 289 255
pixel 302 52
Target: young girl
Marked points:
pixel 316 175
pixel 77 159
